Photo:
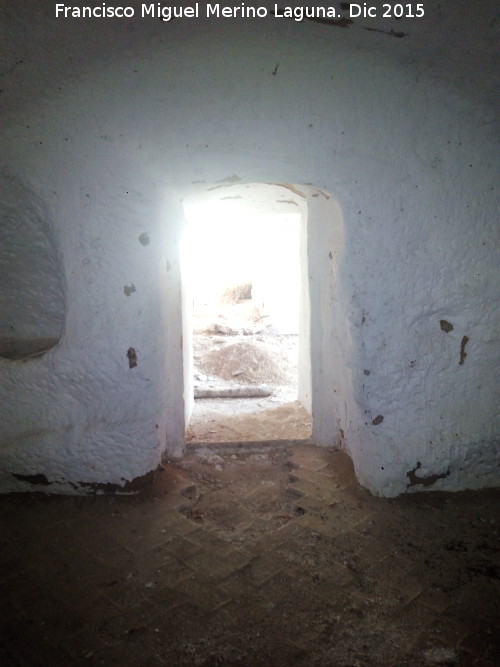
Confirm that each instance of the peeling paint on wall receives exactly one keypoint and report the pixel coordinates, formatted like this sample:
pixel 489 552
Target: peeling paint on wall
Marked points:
pixel 40 480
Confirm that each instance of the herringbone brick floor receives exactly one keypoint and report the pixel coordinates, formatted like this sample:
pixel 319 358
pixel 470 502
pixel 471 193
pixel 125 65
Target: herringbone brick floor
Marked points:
pixel 270 557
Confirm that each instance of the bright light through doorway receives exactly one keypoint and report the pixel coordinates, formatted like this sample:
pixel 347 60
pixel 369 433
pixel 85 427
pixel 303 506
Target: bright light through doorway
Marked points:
pixel 242 267
pixel 229 246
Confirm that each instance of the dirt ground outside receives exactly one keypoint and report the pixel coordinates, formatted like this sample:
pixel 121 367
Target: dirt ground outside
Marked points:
pixel 237 352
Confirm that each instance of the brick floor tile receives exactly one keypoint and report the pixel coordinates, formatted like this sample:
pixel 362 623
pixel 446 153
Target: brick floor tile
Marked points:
pixel 131 589
pixel 314 487
pixel 176 524
pixel 475 602
pixel 50 612
pixel 202 593
pixel 182 548
pixel 139 624
pixel 82 645
pixel 263 567
pixel 321 523
pixel 263 495
pixel 442 633
pixel 123 653
pixel 434 598
pixel 206 540
pixel 6 658
pixel 309 457
pixel 127 539
pixel 95 609
pixel 482 645
pixel 224 510
pixel 27 643
pixel 343 517
pixel 217 567
pixel 168 596
pixel 169 574
pixel 330 580
pixel 237 585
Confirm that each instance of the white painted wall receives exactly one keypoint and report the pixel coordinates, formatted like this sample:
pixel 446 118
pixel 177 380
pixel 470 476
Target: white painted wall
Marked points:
pixel 109 123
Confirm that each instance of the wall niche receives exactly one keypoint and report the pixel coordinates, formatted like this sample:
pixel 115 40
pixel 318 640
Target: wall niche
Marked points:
pixel 32 303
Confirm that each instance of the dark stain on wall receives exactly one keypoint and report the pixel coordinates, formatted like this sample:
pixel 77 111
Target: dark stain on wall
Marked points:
pixel 134 486
pixel 446 326
pixel 132 357
pixel 425 481
pixel 336 23
pixel 391 33
pixel 378 420
pixel 144 238
pixel 39 480
pixel 129 289
pixel 463 353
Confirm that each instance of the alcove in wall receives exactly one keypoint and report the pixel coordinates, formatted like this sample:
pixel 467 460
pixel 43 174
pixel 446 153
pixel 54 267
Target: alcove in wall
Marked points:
pixel 32 303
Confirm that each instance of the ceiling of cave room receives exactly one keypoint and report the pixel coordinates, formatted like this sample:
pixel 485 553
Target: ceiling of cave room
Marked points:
pixel 457 43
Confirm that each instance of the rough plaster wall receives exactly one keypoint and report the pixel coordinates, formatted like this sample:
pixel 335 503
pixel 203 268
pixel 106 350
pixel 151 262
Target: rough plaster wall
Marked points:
pixel 393 128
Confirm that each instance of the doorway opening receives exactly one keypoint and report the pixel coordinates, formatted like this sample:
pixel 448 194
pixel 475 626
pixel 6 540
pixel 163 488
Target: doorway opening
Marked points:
pixel 246 312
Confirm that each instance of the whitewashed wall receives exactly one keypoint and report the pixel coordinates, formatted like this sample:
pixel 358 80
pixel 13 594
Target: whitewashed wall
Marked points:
pixel 108 124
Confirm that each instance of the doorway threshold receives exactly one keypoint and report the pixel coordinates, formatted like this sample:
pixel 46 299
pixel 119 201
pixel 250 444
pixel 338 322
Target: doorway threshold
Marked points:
pixel 257 447
pixel 253 446
pixel 226 422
